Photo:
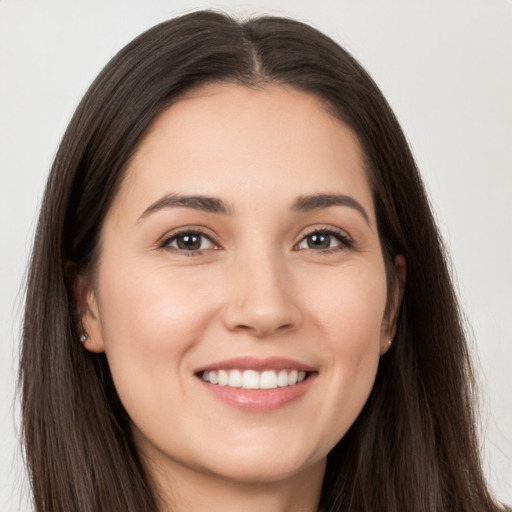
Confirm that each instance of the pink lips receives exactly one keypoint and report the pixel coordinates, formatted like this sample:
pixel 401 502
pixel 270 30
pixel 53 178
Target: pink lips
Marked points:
pixel 252 363
pixel 258 400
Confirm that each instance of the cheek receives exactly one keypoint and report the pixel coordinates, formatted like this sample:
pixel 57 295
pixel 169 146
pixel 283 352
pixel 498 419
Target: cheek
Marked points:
pixel 154 310
pixel 149 325
pixel 349 306
pixel 356 324
pixel 349 314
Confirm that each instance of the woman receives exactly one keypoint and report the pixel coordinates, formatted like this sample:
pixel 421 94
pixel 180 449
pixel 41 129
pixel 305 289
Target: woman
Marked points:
pixel 235 229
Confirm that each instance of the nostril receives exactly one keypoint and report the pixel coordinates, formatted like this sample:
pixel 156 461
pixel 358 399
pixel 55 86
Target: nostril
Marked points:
pixel 260 311
pixel 261 330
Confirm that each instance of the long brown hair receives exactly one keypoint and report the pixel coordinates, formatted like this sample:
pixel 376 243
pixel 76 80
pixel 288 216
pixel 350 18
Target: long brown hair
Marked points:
pixel 413 447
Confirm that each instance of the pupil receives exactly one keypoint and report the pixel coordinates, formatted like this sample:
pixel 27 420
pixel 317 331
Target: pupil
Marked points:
pixel 189 242
pixel 319 241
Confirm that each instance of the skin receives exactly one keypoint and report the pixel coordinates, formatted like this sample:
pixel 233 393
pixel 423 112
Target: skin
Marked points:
pixel 256 288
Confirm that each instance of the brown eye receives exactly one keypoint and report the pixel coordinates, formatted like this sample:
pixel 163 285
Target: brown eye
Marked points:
pixel 323 240
pixel 190 241
pixel 318 241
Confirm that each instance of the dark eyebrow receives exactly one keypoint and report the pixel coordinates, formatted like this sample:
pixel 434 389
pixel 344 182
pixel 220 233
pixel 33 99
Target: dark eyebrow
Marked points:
pixel 215 205
pixel 317 201
pixel 197 202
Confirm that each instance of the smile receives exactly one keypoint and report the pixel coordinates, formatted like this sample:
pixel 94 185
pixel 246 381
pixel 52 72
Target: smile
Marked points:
pixel 255 384
pixel 252 379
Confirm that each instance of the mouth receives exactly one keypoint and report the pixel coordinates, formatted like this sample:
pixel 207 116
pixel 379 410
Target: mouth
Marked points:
pixel 252 379
pixel 257 384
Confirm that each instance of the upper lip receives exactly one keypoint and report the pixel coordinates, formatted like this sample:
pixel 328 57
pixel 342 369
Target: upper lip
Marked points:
pixel 257 364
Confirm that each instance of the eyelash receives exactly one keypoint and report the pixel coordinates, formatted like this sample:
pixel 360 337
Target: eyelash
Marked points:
pixel 343 238
pixel 345 241
pixel 195 231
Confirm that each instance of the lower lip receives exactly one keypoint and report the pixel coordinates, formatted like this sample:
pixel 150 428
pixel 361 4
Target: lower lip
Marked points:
pixel 259 400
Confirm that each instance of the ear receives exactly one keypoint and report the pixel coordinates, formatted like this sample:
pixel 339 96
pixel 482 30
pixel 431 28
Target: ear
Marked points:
pixel 87 312
pixel 389 324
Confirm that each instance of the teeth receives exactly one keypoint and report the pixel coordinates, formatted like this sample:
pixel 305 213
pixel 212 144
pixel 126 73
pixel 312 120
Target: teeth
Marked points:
pixel 223 378
pixel 251 379
pixel 282 379
pixel 268 380
pixel 235 379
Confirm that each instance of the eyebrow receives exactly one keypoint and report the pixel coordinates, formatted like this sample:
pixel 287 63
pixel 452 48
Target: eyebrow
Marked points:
pixel 318 201
pixel 216 205
pixel 196 202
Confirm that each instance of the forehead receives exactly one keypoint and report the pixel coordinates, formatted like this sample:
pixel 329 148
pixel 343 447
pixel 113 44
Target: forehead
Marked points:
pixel 247 142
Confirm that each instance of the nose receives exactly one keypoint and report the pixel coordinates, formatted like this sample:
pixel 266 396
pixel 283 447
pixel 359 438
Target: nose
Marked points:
pixel 261 301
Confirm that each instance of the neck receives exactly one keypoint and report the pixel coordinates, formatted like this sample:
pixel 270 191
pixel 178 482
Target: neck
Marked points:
pixel 188 490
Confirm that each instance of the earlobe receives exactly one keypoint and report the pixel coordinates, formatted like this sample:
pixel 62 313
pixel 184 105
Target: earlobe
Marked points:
pixel 385 346
pixel 87 314
pixel 390 328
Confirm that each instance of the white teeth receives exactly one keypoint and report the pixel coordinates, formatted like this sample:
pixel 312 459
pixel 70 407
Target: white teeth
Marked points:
pixel 251 379
pixel 223 378
pixel 268 380
pixel 235 379
pixel 282 379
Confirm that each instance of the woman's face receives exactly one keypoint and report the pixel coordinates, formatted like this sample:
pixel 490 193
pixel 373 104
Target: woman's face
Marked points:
pixel 240 291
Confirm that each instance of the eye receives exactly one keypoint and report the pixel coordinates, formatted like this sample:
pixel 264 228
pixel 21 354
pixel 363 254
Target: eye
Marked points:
pixel 189 241
pixel 324 239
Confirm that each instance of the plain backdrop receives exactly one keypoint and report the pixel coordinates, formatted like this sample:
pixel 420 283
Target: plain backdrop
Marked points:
pixel 444 65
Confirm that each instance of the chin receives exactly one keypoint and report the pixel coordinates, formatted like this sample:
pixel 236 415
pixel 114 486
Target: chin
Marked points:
pixel 265 472
pixel 263 464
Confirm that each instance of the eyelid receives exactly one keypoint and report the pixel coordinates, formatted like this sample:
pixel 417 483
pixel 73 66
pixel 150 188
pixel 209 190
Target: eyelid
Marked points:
pixel 164 240
pixel 345 239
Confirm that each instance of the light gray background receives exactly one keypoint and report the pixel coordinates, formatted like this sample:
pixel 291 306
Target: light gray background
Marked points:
pixel 444 65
